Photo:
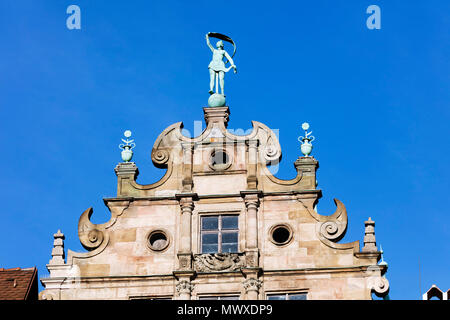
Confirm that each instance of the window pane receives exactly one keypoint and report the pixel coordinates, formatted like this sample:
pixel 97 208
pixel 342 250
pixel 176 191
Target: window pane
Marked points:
pixel 297 297
pixel 219 298
pixel 210 243
pixel 229 298
pixel 210 248
pixel 229 247
pixel 229 222
pixel 229 237
pixel 209 238
pixel 276 297
pixel 210 223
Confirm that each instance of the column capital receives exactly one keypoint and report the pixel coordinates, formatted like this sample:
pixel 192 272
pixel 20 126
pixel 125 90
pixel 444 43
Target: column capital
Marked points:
pixel 251 198
pixel 252 284
pixel 186 203
pixel 189 146
pixel 184 287
pixel 252 143
pixel 251 193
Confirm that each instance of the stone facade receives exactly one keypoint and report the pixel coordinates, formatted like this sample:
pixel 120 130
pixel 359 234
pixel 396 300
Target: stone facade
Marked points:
pixel 151 247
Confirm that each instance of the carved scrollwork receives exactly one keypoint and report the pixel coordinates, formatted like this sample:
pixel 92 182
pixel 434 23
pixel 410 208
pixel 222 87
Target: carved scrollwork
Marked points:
pixel 218 262
pixel 272 150
pixel 379 286
pixel 333 227
pixel 160 157
pixel 91 235
pixel 332 230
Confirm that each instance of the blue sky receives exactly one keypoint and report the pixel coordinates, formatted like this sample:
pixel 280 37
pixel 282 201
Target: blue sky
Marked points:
pixel 377 102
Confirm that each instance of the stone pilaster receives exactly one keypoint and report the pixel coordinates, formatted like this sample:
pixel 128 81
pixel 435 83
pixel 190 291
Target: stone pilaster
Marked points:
pixel 307 167
pixel 126 172
pixel 184 254
pixel 252 164
pixel 187 182
pixel 370 244
pixel 251 199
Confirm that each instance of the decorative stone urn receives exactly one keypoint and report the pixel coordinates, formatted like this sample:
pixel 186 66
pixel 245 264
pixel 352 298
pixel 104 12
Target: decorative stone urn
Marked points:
pixel 306 146
pixel 127 153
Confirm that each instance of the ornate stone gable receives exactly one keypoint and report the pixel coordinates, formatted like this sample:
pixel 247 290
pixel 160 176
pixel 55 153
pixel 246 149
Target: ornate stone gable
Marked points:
pixel 169 238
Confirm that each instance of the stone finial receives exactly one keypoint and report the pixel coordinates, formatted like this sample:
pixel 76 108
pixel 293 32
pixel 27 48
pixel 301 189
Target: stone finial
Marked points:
pixel 58 249
pixel 370 244
pixel 382 263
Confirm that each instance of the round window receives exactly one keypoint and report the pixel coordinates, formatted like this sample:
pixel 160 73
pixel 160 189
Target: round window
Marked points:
pixel 280 234
pixel 219 160
pixel 158 240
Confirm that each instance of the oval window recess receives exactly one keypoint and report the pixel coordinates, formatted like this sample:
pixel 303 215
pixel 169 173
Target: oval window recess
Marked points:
pixel 158 240
pixel 281 234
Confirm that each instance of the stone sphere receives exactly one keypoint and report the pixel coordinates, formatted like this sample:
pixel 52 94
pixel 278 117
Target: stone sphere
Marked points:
pixel 216 100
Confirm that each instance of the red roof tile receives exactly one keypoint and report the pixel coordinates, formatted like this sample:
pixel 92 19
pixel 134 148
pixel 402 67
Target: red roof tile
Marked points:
pixel 18 284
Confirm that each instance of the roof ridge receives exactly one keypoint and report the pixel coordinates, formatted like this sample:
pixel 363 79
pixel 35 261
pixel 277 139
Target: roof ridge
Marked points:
pixel 18 269
pixel 10 269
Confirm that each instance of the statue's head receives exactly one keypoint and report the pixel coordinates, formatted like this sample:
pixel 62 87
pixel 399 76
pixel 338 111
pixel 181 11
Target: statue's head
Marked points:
pixel 219 44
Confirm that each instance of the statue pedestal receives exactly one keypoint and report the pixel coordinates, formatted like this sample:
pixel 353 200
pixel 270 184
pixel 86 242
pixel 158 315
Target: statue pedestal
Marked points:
pixel 216 115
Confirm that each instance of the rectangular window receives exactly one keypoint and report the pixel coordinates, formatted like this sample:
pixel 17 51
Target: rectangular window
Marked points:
pixel 150 298
pixel 219 234
pixel 219 298
pixel 287 296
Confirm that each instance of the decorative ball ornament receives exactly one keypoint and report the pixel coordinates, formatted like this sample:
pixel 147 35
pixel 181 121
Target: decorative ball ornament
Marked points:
pixel 126 146
pixel 306 146
pixel 216 100
pixel 305 126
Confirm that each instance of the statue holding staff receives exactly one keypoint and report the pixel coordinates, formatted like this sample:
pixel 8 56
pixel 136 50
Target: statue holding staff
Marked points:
pixel 217 67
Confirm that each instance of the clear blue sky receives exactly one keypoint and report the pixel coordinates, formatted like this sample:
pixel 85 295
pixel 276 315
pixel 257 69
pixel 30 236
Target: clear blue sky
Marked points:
pixel 377 102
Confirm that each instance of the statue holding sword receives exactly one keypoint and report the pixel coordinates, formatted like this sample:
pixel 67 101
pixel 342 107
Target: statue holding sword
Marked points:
pixel 217 67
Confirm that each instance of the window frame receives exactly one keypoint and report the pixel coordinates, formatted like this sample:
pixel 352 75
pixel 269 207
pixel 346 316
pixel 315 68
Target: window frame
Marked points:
pixel 151 297
pixel 219 231
pixel 220 297
pixel 287 294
